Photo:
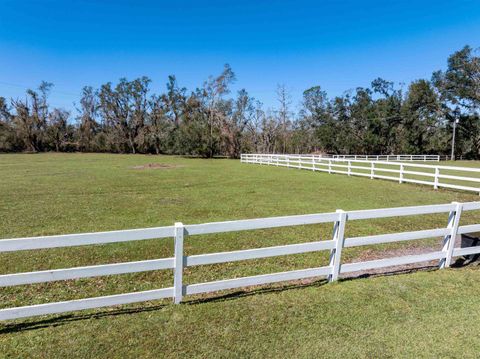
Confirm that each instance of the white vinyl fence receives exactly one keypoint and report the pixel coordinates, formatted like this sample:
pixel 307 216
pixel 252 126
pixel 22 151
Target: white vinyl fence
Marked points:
pixel 388 158
pixel 179 231
pixel 458 177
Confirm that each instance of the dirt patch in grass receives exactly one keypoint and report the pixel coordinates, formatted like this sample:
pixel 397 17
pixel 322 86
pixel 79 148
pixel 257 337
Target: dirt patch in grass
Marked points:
pixel 155 166
pixel 370 255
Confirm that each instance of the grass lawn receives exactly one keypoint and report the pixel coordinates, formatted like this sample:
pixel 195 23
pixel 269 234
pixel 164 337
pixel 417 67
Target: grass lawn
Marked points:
pixel 421 314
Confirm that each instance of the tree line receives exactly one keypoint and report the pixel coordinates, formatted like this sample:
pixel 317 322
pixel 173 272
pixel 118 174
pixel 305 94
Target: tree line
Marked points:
pixel 209 121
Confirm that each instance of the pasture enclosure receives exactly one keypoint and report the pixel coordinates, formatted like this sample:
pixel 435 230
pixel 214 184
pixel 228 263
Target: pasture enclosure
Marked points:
pixel 462 178
pixel 179 262
pixel 371 316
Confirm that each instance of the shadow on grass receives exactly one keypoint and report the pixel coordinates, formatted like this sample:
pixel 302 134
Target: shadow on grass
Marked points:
pixel 68 318
pixel 65 319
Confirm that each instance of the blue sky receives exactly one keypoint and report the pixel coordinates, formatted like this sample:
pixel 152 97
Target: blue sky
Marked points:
pixel 338 45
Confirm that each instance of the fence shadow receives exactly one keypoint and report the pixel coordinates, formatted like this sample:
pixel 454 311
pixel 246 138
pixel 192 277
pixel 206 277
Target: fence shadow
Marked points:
pixel 69 318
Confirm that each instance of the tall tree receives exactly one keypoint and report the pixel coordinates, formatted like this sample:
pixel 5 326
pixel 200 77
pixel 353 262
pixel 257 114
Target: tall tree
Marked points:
pixel 205 113
pixel 8 140
pixel 88 126
pixel 459 88
pixel 31 117
pixel 317 124
pixel 236 124
pixel 421 118
pixel 124 111
pixel 58 135
pixel 284 100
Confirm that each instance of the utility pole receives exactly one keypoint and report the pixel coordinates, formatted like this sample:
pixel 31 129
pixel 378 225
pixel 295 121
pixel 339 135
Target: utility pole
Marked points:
pixel 455 121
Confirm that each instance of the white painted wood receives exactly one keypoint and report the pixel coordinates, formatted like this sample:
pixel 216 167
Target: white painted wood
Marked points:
pixel 465 188
pixel 367 168
pixel 257 280
pixel 81 304
pixel 460 178
pixel 85 272
pixel 223 257
pixel 465 251
pixel 375 169
pixel 179 263
pixel 449 240
pixel 338 238
pixel 388 170
pixel 385 177
pixel 469 228
pixel 261 223
pixel 471 206
pixel 399 211
pixel 437 173
pixel 70 240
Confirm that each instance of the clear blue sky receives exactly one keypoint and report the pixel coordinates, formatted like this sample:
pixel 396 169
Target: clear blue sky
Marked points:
pixel 336 44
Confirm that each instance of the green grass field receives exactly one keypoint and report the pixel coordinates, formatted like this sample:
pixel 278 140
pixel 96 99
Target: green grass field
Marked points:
pixel 425 314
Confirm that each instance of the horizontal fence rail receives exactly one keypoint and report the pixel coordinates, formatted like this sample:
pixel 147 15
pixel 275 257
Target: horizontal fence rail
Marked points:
pixel 424 158
pixel 462 178
pixel 180 261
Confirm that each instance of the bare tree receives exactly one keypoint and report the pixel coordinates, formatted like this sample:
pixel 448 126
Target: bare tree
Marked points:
pixel 284 99
pixel 87 121
pixel 31 117
pixel 57 132
pixel 124 110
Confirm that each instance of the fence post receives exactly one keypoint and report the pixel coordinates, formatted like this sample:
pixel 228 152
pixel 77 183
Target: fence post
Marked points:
pixel 313 163
pixel 339 238
pixel 449 239
pixel 401 174
pixel 372 170
pixel 437 172
pixel 349 169
pixel 329 166
pixel 178 287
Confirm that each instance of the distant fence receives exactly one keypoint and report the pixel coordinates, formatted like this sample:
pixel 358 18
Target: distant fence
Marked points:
pixel 388 158
pixel 179 231
pixel 433 175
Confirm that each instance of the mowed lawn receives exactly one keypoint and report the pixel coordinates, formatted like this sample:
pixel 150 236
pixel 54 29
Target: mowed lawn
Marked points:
pixel 429 314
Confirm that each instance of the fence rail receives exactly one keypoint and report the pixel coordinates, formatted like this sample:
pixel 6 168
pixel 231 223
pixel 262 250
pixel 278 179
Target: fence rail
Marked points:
pixel 433 175
pixel 177 263
pixel 424 158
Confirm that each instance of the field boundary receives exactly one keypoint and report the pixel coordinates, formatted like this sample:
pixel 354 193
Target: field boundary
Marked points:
pixel 431 175
pixel 424 158
pixel 179 231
